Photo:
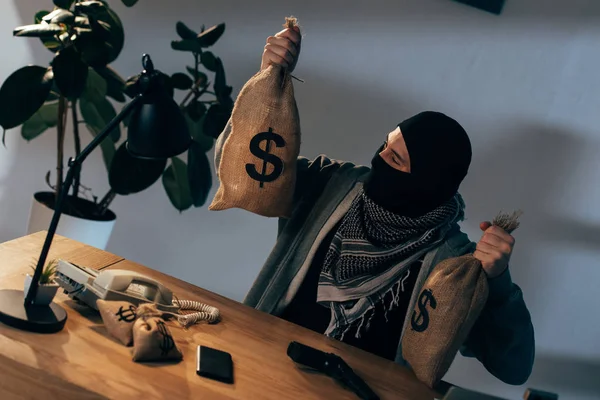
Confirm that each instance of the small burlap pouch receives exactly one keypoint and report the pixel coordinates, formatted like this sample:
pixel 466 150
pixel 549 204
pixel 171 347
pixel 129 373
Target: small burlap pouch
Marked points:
pixel 450 302
pixel 152 338
pixel 118 318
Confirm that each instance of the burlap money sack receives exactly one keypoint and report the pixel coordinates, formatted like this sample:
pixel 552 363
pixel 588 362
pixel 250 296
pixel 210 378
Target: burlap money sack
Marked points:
pixel 257 168
pixel 448 306
pixel 152 338
pixel 118 318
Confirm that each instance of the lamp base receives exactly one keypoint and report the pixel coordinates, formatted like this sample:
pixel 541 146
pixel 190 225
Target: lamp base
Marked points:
pixel 38 319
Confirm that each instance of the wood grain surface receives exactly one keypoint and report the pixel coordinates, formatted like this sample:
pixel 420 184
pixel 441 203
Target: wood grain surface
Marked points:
pixel 83 360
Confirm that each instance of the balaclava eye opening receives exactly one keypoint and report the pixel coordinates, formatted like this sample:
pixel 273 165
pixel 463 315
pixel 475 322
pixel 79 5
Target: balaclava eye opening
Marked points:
pixel 440 155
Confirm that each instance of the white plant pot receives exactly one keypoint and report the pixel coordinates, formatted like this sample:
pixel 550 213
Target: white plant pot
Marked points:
pixel 92 231
pixel 45 293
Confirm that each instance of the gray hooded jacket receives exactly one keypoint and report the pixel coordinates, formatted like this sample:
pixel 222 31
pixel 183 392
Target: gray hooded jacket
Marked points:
pixel 502 338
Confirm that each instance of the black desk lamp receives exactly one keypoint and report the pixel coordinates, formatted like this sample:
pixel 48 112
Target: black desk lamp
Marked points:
pixel 157 130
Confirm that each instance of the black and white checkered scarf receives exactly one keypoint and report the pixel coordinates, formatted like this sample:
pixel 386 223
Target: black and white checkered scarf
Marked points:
pixel 371 251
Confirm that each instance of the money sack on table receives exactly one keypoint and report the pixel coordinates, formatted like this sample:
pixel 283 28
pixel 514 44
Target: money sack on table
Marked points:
pixel 118 318
pixel 152 338
pixel 257 169
pixel 447 307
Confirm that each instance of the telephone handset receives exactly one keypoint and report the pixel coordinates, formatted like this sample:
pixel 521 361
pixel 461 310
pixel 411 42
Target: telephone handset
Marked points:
pixel 88 285
pixel 133 287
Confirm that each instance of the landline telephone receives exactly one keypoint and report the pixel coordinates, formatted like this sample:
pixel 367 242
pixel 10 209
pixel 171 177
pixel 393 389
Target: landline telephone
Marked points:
pixel 87 285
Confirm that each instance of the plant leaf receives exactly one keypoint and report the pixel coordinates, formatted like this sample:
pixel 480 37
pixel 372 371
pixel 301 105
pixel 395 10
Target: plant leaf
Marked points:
pixel 95 51
pixel 129 3
pixel 46 117
pixel 66 4
pixel 127 120
pixel 96 87
pixel 97 113
pixel 184 32
pixel 204 142
pixel 23 93
pixel 115 84
pixel 87 7
pixel 210 36
pixel 70 72
pixel 199 75
pixel 48 181
pixel 191 45
pixel 38 30
pixel 181 81
pixel 131 88
pixel 215 120
pixel 130 175
pixel 209 61
pixel 222 90
pixel 52 96
pixel 165 80
pixel 196 110
pixel 176 183
pixel 199 175
pixel 39 15
pixel 103 45
pixel 82 22
pixel 60 16
pixel 51 43
pixel 195 114
pixel 107 146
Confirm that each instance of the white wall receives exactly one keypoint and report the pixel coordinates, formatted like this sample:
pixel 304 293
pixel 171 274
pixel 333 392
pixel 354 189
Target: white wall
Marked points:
pixel 525 85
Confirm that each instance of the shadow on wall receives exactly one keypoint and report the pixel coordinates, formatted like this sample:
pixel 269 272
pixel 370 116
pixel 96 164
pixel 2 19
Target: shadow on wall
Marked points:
pixel 570 378
pixel 529 170
pixel 573 375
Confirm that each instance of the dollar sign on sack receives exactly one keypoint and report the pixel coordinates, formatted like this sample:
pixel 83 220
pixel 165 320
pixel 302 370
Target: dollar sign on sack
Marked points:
pixel 127 314
pixel 266 156
pixel 420 321
pixel 167 344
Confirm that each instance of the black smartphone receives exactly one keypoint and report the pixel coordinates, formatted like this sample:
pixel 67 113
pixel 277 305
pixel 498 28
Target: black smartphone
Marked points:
pixel 214 364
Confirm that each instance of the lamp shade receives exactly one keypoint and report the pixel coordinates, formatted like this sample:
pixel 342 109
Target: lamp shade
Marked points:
pixel 157 128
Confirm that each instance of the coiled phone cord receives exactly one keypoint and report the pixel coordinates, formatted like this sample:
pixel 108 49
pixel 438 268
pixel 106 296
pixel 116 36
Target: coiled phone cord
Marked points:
pixel 204 312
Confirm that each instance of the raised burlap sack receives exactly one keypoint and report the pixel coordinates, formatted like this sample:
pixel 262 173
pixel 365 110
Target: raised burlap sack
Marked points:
pixel 257 168
pixel 152 338
pixel 450 302
pixel 118 318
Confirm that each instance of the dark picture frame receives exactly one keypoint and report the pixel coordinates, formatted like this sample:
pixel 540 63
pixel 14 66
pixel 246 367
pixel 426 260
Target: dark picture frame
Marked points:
pixel 491 6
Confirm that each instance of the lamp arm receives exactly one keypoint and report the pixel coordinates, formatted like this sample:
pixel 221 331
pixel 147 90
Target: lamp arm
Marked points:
pixel 74 165
pixel 106 131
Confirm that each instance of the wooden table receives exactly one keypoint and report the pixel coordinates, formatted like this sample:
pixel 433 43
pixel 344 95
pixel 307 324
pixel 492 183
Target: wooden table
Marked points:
pixel 83 362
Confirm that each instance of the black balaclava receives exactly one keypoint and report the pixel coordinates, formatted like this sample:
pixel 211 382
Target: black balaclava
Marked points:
pixel 440 155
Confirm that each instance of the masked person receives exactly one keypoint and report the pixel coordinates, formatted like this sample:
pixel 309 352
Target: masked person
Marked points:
pixel 361 242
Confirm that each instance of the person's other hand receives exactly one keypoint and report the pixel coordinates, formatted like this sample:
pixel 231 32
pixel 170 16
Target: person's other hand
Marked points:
pixel 494 249
pixel 283 49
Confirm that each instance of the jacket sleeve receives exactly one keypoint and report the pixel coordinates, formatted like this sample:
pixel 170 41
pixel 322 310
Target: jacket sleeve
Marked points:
pixel 502 338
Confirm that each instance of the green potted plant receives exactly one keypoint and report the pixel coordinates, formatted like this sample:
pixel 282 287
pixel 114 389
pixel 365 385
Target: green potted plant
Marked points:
pixel 207 111
pixel 74 90
pixel 80 86
pixel 47 287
